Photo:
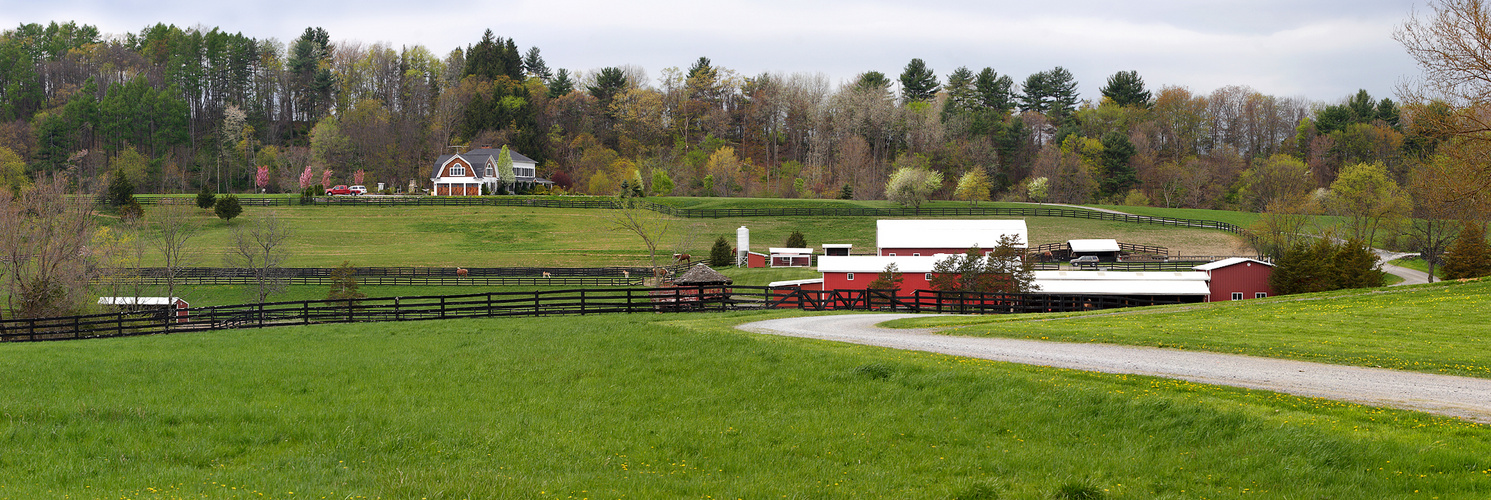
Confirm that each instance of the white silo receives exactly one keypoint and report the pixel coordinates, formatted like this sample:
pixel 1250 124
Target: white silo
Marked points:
pixel 742 246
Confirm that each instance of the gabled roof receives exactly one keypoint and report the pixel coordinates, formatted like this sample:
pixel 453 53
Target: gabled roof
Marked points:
pixel 789 251
pixel 517 157
pixel 1122 283
pixel 701 274
pixel 1212 266
pixel 877 263
pixel 478 158
pixel 961 234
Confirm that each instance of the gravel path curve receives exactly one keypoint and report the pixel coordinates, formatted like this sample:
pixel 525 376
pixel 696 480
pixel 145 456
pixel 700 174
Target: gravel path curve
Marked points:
pixel 1463 397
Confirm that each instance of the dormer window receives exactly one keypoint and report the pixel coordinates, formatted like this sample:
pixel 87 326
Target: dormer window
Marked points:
pixel 490 172
pixel 457 170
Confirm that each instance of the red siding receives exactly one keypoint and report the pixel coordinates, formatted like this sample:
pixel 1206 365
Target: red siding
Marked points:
pixel 840 281
pixel 1247 277
pixel 446 171
pixel 754 259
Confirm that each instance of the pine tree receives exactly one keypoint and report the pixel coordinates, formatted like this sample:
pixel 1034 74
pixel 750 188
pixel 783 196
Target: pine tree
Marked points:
pixel 227 207
pixel 994 91
pixel 962 95
pixel 720 255
pixel 561 85
pixel 533 64
pixel 1469 256
pixel 1117 176
pixel 796 240
pixel 918 82
pixel 872 80
pixel 608 84
pixel 121 190
pixel 1126 88
pixel 205 198
pixel 888 279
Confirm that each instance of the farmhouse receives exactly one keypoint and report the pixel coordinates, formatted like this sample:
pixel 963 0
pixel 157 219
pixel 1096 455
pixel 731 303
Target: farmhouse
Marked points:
pixel 1238 278
pixel 930 237
pixel 464 174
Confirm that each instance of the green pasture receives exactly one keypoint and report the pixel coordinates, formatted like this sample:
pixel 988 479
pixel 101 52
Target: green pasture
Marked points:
pixel 1437 328
pixel 325 236
pixel 669 406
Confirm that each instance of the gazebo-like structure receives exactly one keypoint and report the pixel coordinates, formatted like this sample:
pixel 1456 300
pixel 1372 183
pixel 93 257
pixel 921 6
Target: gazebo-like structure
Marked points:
pixel 693 289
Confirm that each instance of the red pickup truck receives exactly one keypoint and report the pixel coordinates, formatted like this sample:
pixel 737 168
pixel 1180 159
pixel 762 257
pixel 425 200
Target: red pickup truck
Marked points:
pixel 339 190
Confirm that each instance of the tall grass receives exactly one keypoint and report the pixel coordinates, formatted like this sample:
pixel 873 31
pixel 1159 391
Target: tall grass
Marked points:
pixel 644 406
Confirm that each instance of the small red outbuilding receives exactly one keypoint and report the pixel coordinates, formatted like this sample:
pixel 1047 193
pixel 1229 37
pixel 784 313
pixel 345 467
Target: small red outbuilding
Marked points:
pixel 1238 278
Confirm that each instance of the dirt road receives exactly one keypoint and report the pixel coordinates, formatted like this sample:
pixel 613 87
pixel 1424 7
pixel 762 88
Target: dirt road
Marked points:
pixel 1464 397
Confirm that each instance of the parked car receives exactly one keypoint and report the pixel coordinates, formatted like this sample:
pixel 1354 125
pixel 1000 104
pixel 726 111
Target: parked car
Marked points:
pixel 359 189
pixel 1086 260
pixel 339 190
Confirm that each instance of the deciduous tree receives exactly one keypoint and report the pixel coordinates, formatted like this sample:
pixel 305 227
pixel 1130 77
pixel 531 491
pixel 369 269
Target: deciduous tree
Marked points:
pixel 260 247
pixel 47 261
pixel 913 184
pixel 973 186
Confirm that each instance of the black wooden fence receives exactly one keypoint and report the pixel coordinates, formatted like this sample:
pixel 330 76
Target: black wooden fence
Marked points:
pixel 718 213
pixel 539 303
pixel 409 276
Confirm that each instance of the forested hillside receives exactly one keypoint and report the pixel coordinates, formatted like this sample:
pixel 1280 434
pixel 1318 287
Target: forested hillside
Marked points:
pixel 176 108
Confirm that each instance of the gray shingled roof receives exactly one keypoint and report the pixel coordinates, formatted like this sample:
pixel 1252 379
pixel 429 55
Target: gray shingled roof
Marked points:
pixel 701 274
pixel 478 159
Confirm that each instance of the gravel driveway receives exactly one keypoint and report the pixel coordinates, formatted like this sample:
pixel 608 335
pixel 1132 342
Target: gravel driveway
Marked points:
pixel 1464 397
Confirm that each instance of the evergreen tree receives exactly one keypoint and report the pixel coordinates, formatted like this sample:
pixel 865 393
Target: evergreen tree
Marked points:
pixel 796 240
pixel 994 91
pixel 1469 256
pixel 561 85
pixel 533 64
pixel 1387 111
pixel 846 192
pixel 1126 88
pixel 720 255
pixel 918 82
pixel 608 85
pixel 872 80
pixel 1052 92
pixel 205 198
pixel 121 190
pixel 1356 266
pixel 227 207
pixel 888 279
pixel 962 95
pixel 1117 176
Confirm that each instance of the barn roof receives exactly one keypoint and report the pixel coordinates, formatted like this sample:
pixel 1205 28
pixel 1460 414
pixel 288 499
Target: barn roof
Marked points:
pixel 962 234
pixel 1212 266
pixel 789 251
pixel 138 301
pixel 1122 283
pixel 701 274
pixel 877 263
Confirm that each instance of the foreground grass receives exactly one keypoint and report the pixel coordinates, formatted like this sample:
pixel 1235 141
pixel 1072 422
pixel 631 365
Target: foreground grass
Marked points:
pixel 323 236
pixel 647 406
pixel 1438 328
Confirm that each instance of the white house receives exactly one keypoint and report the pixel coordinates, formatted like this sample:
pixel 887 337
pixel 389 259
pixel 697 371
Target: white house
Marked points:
pixel 464 174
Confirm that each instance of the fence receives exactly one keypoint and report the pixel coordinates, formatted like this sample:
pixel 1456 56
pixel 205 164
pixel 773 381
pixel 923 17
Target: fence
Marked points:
pixel 719 213
pixel 411 276
pixel 538 303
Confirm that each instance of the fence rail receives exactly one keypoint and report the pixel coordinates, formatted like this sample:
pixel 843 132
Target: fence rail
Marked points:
pixel 539 303
pixel 719 213
pixel 414 276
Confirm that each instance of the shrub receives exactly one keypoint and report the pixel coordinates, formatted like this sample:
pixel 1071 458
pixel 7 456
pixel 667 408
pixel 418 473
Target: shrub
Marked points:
pixel 1469 256
pixel 205 198
pixel 227 207
pixel 796 240
pixel 1323 266
pixel 344 284
pixel 121 190
pixel 846 192
pixel 720 255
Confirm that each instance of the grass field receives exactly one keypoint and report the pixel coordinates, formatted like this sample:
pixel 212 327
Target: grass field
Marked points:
pixel 1438 328
pixel 505 236
pixel 649 406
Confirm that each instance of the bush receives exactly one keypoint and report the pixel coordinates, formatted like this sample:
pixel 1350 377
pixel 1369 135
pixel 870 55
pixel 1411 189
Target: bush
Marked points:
pixel 121 190
pixel 205 198
pixel 796 240
pixel 131 211
pixel 227 207
pixel 1323 266
pixel 1469 256
pixel 846 192
pixel 720 255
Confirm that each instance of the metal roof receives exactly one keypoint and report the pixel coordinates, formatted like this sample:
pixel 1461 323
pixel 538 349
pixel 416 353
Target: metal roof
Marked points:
pixel 1123 283
pixel 1212 266
pixel 813 281
pixel 790 251
pixel 1093 245
pixel 838 245
pixel 877 263
pixel 983 233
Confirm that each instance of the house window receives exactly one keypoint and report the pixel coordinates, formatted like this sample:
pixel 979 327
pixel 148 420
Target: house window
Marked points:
pixel 1237 296
pixel 1259 295
pixel 918 254
pixel 892 254
pixel 490 172
pixel 929 276
pixel 851 276
pixel 457 170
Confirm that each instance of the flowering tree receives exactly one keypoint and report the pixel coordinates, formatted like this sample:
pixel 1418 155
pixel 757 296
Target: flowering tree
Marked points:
pixel 358 176
pixel 262 178
pixel 326 178
pixel 305 177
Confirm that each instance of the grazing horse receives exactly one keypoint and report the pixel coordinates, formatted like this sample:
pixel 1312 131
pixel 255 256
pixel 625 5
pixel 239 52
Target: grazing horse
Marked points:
pixel 626 273
pixel 547 275
pixel 462 272
pixel 682 257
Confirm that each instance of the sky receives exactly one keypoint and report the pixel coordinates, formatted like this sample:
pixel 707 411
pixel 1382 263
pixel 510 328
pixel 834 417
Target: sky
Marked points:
pixel 1317 50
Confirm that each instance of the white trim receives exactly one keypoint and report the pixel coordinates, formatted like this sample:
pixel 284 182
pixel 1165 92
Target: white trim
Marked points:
pixel 1237 295
pixel 850 276
pixel 1260 295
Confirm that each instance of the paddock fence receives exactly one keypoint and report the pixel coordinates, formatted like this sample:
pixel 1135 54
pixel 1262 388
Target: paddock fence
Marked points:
pixel 408 276
pixel 719 213
pixel 540 304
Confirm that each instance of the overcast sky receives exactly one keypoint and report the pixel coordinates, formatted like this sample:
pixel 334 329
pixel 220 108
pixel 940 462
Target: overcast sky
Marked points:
pixel 1313 49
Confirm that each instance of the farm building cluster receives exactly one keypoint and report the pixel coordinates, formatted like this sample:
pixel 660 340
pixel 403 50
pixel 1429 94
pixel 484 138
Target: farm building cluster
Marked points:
pixel 915 247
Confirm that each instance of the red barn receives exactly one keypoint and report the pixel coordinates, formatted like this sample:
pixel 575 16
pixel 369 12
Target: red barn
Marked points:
pixel 1238 278
pixel 918 238
pixel 856 273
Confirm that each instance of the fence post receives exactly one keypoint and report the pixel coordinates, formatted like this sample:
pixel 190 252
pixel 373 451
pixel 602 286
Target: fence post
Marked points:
pixel 261 315
pixel 489 304
pixel 582 301
pixel 536 307
pixel 118 326
pixel 442 307
pixel 305 311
